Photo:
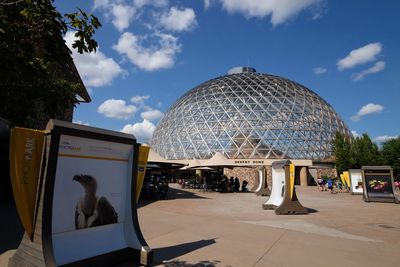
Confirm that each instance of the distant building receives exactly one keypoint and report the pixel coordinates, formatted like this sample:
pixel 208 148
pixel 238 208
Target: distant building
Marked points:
pixel 247 115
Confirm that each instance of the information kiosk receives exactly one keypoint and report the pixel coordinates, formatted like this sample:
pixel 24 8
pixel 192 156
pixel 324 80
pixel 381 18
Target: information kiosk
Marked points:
pixel 283 197
pixel 86 213
pixel 378 184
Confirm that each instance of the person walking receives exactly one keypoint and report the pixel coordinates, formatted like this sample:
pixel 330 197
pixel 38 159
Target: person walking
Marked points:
pixel 320 183
pixel 330 185
pixel 237 184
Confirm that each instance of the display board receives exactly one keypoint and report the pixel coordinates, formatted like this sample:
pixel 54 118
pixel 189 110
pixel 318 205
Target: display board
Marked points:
pixel 259 180
pixel 87 206
pixel 378 184
pixel 355 179
pixel 91 196
pixel 278 185
pixel 342 179
pixel 262 188
pixel 346 177
pixel 283 197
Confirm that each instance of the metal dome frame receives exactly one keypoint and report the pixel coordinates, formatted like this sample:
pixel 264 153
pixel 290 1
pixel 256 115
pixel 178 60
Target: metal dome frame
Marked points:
pixel 248 115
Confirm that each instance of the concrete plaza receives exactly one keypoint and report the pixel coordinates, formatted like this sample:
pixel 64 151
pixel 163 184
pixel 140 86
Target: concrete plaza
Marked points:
pixel 211 229
pixel 196 228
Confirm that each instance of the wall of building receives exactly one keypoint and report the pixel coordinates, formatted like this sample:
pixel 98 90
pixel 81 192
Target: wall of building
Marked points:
pixel 249 174
pixel 330 172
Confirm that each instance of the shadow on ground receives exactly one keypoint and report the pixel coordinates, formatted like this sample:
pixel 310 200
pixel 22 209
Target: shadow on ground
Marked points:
pixel 11 230
pixel 173 193
pixel 310 210
pixel 165 254
pixel 178 263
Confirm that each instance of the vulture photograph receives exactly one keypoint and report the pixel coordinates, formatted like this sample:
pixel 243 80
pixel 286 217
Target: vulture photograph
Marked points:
pixel 92 210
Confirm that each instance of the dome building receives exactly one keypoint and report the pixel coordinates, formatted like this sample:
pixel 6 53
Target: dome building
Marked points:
pixel 249 115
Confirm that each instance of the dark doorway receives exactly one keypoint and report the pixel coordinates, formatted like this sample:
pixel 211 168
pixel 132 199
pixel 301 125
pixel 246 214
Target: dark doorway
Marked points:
pixel 297 175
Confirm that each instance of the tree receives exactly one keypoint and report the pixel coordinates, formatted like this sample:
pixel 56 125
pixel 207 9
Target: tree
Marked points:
pixel 342 150
pixel 34 59
pixel 391 154
pixel 365 152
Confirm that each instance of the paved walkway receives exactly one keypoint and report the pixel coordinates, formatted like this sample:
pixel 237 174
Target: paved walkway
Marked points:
pixel 195 228
pixel 212 229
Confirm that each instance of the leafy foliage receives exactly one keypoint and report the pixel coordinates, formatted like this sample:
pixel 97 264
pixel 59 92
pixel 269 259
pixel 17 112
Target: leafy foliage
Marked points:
pixel 34 59
pixel 342 149
pixel 391 154
pixel 365 152
pixel 361 151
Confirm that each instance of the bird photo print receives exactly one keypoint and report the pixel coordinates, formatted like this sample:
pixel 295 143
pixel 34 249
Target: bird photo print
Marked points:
pixel 92 210
pixel 90 186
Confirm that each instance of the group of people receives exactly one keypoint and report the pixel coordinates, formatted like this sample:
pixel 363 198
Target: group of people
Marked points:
pixel 155 188
pixel 231 185
pixel 220 184
pixel 333 185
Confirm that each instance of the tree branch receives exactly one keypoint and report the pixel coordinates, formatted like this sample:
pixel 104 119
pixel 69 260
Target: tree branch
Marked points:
pixel 8 3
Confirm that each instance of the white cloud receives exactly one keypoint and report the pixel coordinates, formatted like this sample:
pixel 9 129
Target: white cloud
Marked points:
pixel 207 4
pixel 355 134
pixel 151 58
pixel 155 3
pixel 121 12
pixel 367 110
pixel 117 109
pixel 95 68
pixel 141 130
pixel 280 10
pixel 360 56
pixel 81 122
pixel 101 3
pixel 178 19
pixel 152 115
pixel 139 99
pixel 379 66
pixel 384 138
pixel 319 70
pixel 123 15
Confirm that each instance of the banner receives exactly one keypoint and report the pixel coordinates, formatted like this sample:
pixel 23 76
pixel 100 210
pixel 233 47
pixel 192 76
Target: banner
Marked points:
pixel 291 181
pixel 141 171
pixel 342 178
pixel 26 149
pixel 346 177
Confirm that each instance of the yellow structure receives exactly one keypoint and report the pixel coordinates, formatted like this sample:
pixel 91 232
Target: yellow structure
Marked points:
pixel 141 171
pixel 26 149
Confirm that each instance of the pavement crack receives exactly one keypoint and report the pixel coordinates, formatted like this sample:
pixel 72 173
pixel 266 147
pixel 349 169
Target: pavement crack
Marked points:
pixel 269 249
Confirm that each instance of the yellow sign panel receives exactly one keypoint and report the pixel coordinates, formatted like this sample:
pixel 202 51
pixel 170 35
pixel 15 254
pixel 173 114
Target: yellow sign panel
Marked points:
pixel 141 171
pixel 26 149
pixel 346 178
pixel 342 178
pixel 291 180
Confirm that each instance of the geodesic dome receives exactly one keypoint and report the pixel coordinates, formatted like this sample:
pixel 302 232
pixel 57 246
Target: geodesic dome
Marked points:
pixel 245 115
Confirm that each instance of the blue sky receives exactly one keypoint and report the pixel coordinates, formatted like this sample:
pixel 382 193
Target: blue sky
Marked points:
pixel 152 51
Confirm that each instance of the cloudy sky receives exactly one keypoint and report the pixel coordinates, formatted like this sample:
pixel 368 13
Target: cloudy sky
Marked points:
pixel 152 51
